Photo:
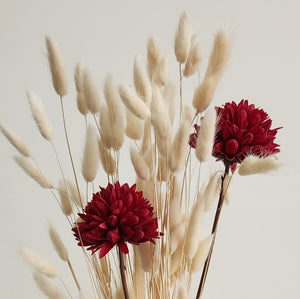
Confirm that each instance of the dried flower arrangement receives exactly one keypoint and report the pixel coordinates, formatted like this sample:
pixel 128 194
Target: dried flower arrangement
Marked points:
pixel 146 240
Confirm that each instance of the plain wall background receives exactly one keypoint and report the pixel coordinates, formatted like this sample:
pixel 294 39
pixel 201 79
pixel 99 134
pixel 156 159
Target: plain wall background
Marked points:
pixel 257 248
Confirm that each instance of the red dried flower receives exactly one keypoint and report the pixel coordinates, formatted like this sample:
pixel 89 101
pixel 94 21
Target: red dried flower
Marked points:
pixel 116 215
pixel 242 129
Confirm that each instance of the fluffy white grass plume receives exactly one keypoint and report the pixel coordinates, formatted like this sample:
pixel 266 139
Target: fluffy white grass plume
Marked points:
pixel 47 287
pixel 211 191
pixel 183 38
pixel 81 103
pixel 161 74
pixel 176 213
pixel 33 172
pixel 112 98
pixel 105 127
pixel 182 292
pixel 188 113
pixel 206 136
pixel 193 61
pixel 175 260
pixel 159 115
pixel 219 55
pixel 193 229
pixel 141 80
pixel 179 147
pixel 227 186
pixel 177 236
pixel 141 168
pixel 146 137
pixel 66 204
pixel 204 93
pixel 90 157
pixel 59 78
pixel 201 253
pixel 134 126
pixel 90 92
pixel 78 77
pixel 162 168
pixel 153 56
pixel 133 102
pixel 78 199
pixel 168 93
pixel 58 243
pixel 38 263
pixel 107 161
pixel 15 140
pixel 256 165
pixel 39 115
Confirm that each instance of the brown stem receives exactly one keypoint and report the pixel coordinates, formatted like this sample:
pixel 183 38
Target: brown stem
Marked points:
pixel 123 274
pixel 213 232
pixel 73 274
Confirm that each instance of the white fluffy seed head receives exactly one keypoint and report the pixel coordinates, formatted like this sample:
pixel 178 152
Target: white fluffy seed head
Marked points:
pixel 105 127
pixel 39 115
pixel 141 80
pixel 134 126
pixel 33 172
pixel 59 78
pixel 47 288
pixel 188 113
pixel 81 104
pixel 153 56
pixel 112 98
pixel 78 198
pixel 177 236
pixel 179 147
pixel 211 191
pixel 107 161
pixel 159 115
pixel 58 243
pixel 219 55
pixel 227 186
pixel 140 166
pixel 204 93
pixel 38 263
pixel 161 73
pixel 194 228
pixel 90 92
pixel 66 205
pixel 90 157
pixel 15 140
pixel 133 102
pixel 255 165
pixel 78 77
pixel 193 61
pixel 201 254
pixel 206 136
pixel 146 137
pixel 183 38
pixel 169 92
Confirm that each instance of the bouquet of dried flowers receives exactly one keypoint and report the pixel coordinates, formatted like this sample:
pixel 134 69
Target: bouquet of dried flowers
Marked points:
pixel 145 240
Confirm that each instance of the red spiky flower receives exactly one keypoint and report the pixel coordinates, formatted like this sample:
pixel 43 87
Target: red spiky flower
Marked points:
pixel 242 129
pixel 116 215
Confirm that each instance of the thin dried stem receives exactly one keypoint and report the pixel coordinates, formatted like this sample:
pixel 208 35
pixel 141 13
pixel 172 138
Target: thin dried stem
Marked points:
pixel 69 148
pixel 213 231
pixel 123 274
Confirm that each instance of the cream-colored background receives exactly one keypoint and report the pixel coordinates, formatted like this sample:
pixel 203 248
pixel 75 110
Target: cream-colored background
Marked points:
pixel 257 249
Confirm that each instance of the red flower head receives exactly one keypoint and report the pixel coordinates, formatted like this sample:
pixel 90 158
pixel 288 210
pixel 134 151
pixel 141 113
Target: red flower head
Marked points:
pixel 116 215
pixel 242 129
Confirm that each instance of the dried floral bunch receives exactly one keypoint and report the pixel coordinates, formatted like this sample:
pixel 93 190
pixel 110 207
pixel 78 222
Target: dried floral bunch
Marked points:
pixel 147 240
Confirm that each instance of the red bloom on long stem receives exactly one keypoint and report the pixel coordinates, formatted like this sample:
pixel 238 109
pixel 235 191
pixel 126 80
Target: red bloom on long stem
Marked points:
pixel 116 215
pixel 242 129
